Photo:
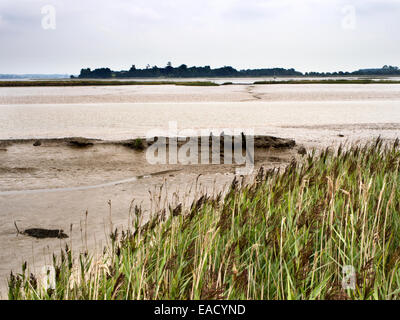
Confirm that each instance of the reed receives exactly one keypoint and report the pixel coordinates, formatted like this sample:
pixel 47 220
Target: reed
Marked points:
pixel 286 235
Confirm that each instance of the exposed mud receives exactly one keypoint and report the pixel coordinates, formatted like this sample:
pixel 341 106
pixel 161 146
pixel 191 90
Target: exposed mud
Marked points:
pixel 40 233
pixel 89 190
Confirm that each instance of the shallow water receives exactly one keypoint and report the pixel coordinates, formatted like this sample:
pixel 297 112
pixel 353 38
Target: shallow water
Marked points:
pixel 125 121
pixel 304 112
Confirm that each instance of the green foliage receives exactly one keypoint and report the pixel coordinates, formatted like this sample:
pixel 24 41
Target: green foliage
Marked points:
pixel 137 144
pixel 285 236
pixel 184 71
pixel 330 81
pixel 72 83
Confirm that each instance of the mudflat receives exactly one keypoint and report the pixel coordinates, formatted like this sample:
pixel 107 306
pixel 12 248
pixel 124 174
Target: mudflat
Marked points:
pixel 87 191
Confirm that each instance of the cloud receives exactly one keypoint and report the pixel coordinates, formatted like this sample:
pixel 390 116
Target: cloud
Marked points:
pixel 305 34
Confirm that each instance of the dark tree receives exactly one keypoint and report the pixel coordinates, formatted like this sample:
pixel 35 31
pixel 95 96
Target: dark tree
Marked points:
pixel 183 71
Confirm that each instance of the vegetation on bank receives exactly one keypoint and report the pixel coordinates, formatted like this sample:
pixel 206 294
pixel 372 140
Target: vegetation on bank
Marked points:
pixel 183 71
pixel 287 235
pixel 330 81
pixel 136 144
pixel 71 83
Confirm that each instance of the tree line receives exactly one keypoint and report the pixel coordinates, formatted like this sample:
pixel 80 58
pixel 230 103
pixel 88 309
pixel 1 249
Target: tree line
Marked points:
pixel 183 71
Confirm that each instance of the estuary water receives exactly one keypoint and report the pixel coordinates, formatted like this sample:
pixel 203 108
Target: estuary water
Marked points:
pixel 307 113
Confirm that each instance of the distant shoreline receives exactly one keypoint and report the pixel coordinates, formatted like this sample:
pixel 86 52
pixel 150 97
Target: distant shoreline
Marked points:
pixel 99 82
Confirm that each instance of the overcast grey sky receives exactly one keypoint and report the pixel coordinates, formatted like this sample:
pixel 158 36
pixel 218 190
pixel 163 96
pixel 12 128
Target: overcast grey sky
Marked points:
pixel 319 35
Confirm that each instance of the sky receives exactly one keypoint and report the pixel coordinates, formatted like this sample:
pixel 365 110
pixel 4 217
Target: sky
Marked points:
pixel 63 36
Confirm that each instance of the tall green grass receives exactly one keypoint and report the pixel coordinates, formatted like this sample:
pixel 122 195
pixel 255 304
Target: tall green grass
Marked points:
pixel 287 235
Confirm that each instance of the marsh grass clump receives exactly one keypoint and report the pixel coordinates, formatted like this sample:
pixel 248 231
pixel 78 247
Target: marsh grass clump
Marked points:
pixel 196 83
pixel 287 235
pixel 136 144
